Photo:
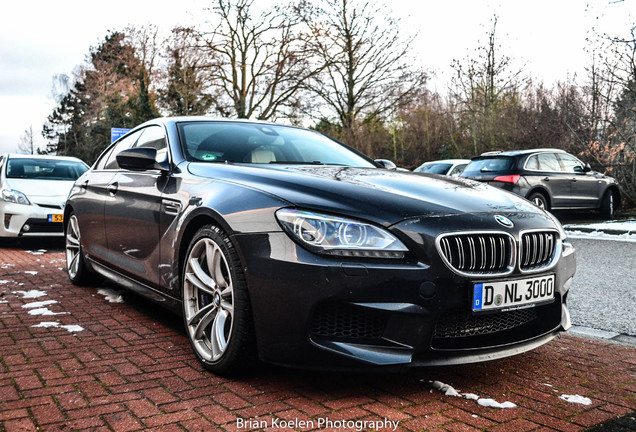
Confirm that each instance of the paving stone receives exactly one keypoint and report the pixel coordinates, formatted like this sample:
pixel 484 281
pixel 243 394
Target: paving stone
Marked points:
pixel 132 368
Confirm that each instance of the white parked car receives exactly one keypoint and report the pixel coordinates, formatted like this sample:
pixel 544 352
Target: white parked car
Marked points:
pixel 449 167
pixel 33 192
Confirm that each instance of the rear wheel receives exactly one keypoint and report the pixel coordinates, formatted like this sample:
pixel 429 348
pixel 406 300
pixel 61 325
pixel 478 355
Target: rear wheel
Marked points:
pixel 608 205
pixel 216 307
pixel 78 271
pixel 539 200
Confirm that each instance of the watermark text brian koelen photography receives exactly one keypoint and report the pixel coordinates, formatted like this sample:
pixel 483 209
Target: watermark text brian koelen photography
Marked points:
pixel 281 424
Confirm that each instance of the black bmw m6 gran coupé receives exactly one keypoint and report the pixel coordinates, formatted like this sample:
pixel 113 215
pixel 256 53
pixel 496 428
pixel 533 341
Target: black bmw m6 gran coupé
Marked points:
pixel 280 244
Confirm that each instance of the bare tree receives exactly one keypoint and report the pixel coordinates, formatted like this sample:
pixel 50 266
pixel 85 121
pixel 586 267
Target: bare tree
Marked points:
pixel 27 142
pixel 482 85
pixel 612 92
pixel 367 68
pixel 257 64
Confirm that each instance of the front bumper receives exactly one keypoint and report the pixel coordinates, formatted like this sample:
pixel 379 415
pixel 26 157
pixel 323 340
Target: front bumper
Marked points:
pixel 18 220
pixel 315 311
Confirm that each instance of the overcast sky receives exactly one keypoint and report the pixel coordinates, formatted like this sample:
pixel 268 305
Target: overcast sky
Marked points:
pixel 42 38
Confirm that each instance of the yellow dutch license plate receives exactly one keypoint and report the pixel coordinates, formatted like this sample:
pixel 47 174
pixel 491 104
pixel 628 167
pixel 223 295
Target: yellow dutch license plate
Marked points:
pixel 56 218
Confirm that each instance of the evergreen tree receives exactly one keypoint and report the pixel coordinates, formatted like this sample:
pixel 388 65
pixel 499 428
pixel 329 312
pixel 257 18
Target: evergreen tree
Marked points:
pixel 111 90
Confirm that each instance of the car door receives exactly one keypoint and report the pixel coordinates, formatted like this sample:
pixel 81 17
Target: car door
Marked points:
pixel 132 215
pixel 550 175
pixel 92 195
pixel 584 186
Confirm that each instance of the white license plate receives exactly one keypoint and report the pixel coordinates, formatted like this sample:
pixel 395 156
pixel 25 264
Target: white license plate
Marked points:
pixel 513 294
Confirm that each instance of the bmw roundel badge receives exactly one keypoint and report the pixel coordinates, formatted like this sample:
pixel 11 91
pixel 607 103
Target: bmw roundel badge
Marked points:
pixel 504 221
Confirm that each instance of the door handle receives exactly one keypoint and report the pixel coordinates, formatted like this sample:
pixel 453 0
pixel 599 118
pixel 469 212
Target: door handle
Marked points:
pixel 112 188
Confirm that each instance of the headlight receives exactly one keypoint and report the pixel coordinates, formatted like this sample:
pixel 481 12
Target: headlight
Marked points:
pixel 14 196
pixel 334 235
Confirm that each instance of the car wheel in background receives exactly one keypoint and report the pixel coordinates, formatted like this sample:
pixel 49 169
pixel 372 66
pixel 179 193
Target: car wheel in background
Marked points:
pixel 607 205
pixel 216 307
pixel 78 272
pixel 539 200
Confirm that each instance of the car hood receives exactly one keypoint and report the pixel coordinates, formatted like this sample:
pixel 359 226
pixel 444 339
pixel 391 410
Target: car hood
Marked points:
pixel 383 196
pixel 40 188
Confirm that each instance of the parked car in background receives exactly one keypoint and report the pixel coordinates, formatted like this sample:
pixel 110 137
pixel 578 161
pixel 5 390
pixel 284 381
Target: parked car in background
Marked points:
pixel 279 243
pixel 33 193
pixel 552 179
pixel 450 167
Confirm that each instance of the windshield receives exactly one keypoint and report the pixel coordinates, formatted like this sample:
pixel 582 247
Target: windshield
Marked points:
pixel 45 169
pixel 488 165
pixel 434 168
pixel 254 143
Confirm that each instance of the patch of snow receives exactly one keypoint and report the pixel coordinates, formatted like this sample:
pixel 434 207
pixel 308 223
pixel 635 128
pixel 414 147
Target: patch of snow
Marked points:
pixel 37 252
pixel 38 304
pixel 494 404
pixel 30 293
pixel 2 282
pixel 111 295
pixel 6 265
pixel 600 235
pixel 72 328
pixel 45 311
pixel 450 391
pixel 31 272
pixel 47 324
pixel 576 399
pixel 624 225
pixel 445 388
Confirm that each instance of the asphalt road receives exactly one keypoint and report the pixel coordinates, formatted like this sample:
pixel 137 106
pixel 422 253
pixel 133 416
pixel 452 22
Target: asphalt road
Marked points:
pixel 603 295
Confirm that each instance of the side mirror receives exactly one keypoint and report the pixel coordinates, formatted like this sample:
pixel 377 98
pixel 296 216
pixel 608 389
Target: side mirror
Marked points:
pixel 139 159
pixel 386 164
pixel 587 167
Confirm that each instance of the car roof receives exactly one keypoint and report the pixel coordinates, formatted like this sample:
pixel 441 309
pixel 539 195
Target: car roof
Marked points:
pixel 452 161
pixel 33 156
pixel 178 119
pixel 512 153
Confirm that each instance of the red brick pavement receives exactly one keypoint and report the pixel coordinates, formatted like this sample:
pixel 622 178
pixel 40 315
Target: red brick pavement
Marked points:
pixel 131 368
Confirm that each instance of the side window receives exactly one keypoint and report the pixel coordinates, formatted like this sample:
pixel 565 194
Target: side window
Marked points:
pixel 457 171
pixel 548 162
pixel 533 163
pixel 154 137
pixel 571 164
pixel 123 144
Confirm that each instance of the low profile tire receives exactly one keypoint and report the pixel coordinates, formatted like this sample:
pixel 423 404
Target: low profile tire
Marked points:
pixel 216 307
pixel 78 271
pixel 540 201
pixel 608 206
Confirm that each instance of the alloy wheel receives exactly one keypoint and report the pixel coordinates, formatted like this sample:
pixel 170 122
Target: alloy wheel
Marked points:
pixel 73 249
pixel 208 299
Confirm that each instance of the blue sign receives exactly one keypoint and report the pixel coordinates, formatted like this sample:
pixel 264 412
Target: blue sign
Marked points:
pixel 116 133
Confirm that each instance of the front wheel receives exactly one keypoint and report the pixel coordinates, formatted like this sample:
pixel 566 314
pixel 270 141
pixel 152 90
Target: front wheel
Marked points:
pixel 216 307
pixel 78 271
pixel 608 205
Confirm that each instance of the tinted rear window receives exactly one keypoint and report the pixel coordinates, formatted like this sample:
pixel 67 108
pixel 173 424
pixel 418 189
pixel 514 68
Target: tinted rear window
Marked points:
pixel 488 165
pixel 440 168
